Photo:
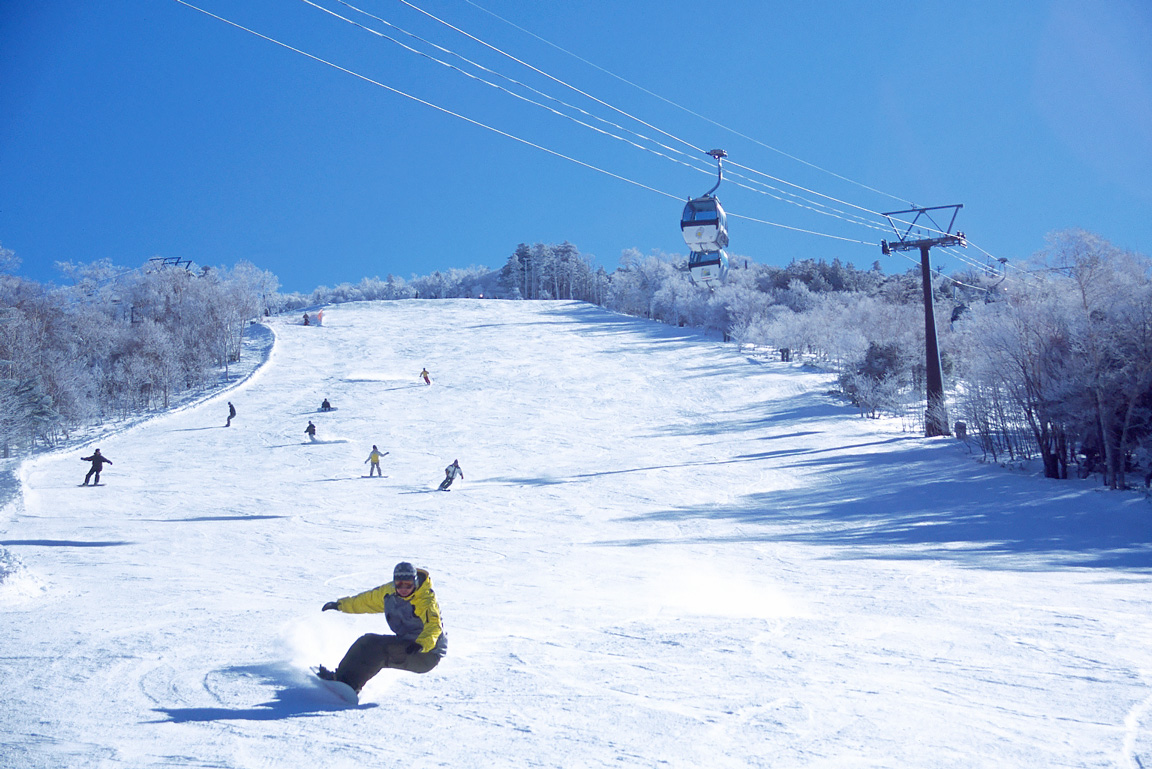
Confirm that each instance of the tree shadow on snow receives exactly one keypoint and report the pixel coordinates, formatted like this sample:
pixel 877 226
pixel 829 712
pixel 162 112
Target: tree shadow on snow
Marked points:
pixel 64 543
pixel 552 480
pixel 297 696
pixel 595 320
pixel 215 518
pixel 925 502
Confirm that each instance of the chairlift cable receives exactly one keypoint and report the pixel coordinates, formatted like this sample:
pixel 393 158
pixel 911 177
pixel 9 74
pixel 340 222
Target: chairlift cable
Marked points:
pixel 683 108
pixel 645 123
pixel 418 100
pixel 550 77
pixel 633 117
pixel 838 214
pixel 505 90
pixel 791 198
pixel 801 229
pixel 975 264
pixel 814 206
pixel 479 124
pixel 494 73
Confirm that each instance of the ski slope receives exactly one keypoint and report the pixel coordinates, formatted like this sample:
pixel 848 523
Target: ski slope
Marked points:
pixel 663 554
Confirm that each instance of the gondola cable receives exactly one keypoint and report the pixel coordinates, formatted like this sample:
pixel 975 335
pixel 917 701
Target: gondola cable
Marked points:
pixel 500 75
pixel 683 108
pixel 810 205
pixel 479 124
pixel 555 79
pixel 612 107
pixel 426 103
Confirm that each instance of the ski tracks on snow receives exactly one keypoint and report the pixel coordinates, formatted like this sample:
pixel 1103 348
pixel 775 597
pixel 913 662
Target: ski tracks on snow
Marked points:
pixel 1133 723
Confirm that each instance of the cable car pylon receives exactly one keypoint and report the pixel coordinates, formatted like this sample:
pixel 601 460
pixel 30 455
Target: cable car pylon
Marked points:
pixel 705 230
pixel 935 414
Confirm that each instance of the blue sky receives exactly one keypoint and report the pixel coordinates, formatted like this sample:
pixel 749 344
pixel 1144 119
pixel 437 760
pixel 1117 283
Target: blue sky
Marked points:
pixel 140 128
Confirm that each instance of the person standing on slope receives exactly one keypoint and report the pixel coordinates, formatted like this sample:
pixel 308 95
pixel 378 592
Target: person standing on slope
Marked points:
pixel 424 373
pixel 451 473
pixel 374 458
pixel 310 431
pixel 231 414
pixel 409 605
pixel 98 461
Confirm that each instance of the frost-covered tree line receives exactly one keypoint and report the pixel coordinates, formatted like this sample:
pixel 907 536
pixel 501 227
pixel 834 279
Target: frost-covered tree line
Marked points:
pixel 1062 352
pixel 1051 360
pixel 115 341
pixel 539 271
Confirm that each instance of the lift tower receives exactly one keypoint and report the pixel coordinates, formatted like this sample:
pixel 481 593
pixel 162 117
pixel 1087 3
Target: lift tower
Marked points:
pixel 936 414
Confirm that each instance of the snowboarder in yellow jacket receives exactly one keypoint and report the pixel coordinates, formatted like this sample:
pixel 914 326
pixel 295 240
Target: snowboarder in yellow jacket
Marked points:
pixel 375 458
pixel 409 605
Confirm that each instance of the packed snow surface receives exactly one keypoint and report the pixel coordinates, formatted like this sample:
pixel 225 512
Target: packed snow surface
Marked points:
pixel 664 553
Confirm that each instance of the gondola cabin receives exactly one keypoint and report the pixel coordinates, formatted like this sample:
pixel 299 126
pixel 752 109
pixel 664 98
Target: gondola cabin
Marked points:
pixel 704 225
pixel 708 268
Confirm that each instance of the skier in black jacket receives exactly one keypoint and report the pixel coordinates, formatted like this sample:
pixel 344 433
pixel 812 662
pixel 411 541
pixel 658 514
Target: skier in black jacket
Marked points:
pixel 98 461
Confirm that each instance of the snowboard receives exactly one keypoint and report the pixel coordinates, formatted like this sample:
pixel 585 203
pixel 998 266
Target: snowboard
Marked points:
pixel 373 476
pixel 89 484
pixel 339 688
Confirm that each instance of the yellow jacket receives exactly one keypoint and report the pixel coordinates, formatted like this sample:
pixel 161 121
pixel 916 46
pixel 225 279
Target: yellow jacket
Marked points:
pixel 415 618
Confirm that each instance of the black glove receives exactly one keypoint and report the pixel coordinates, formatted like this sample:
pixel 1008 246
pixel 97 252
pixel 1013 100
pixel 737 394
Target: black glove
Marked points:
pixel 412 648
pixel 331 605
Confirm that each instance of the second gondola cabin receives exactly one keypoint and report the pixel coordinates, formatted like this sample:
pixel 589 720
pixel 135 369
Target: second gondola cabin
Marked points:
pixel 708 268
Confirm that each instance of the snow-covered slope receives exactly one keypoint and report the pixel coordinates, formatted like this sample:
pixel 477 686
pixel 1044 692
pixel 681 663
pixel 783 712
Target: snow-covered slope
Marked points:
pixel 662 554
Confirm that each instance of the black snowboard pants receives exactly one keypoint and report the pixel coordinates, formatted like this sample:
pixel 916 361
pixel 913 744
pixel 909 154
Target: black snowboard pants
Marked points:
pixel 371 653
pixel 94 471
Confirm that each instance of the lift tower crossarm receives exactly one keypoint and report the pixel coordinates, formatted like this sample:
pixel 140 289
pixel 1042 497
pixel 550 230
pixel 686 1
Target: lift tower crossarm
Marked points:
pixel 902 243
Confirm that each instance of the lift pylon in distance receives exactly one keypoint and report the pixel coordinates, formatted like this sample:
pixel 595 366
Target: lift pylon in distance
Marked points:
pixel 935 414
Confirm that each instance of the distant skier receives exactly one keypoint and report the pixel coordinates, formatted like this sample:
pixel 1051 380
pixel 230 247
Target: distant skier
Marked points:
pixel 231 414
pixel 427 379
pixel 451 473
pixel 409 605
pixel 325 406
pixel 310 431
pixel 98 461
pixel 306 321
pixel 375 458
